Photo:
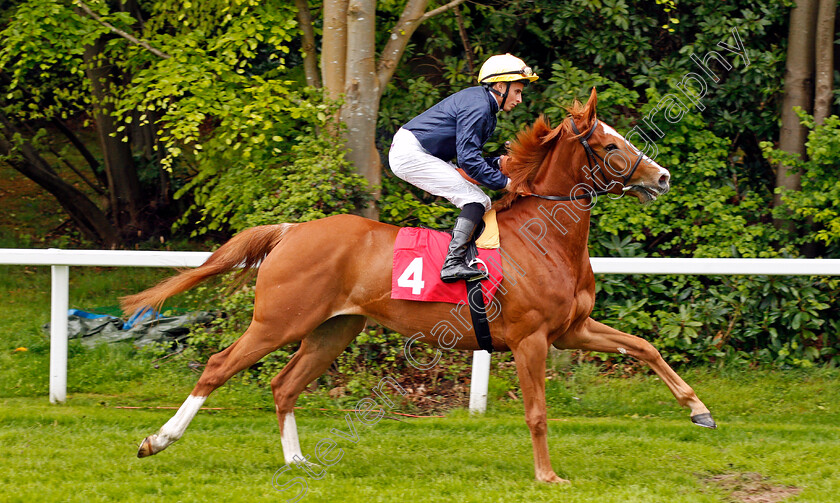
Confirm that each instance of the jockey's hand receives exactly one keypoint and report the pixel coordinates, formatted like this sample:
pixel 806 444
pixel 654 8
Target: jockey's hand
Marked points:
pixel 503 160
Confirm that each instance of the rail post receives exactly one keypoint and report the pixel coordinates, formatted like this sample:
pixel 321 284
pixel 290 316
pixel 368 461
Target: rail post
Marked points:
pixel 480 379
pixel 60 295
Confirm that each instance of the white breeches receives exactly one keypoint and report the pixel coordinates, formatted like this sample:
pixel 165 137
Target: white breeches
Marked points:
pixel 414 164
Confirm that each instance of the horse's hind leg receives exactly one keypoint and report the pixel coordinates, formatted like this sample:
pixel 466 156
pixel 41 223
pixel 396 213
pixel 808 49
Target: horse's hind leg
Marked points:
pixel 257 341
pixel 595 336
pixel 317 351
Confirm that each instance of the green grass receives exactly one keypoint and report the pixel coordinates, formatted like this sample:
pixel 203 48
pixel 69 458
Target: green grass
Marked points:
pixel 616 439
pixel 84 451
pixel 25 292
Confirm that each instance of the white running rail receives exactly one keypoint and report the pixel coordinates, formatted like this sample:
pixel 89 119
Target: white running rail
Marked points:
pixel 60 262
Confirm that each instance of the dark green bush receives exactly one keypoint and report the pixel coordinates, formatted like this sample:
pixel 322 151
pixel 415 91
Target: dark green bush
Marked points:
pixel 773 320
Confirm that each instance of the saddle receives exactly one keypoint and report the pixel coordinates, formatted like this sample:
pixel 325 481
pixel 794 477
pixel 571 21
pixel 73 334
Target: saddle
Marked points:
pixel 418 257
pixel 488 234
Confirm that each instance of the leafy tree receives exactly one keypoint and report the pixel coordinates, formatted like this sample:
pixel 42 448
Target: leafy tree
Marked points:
pixel 809 77
pixel 814 207
pixel 201 90
pixel 350 68
pixel 55 67
pixel 230 111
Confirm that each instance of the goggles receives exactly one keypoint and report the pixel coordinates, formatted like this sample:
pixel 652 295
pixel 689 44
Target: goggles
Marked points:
pixel 525 72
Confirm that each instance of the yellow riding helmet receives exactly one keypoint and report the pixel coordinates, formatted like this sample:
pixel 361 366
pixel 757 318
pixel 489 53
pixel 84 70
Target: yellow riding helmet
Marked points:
pixel 505 68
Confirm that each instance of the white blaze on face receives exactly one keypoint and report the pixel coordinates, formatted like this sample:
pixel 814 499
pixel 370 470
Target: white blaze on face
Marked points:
pixel 612 132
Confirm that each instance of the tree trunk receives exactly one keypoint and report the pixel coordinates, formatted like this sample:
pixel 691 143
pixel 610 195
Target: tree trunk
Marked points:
pixel 89 219
pixel 412 17
pixel 81 148
pixel 123 183
pixel 348 66
pixel 824 49
pixel 409 20
pixel 310 62
pixel 462 30
pixel 334 47
pixel 361 109
pixel 799 81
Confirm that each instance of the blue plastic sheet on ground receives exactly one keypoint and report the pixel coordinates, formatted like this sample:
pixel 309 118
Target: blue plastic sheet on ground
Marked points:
pixel 140 317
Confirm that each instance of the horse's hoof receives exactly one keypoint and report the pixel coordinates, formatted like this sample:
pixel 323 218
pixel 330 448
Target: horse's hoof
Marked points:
pixel 302 462
pixel 705 420
pixel 145 448
pixel 553 479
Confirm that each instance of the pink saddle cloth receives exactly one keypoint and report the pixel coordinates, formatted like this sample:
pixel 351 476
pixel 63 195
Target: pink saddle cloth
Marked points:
pixel 418 258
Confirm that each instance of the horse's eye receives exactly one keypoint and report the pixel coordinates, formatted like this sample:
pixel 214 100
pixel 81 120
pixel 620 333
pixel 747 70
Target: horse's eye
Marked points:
pixel 611 146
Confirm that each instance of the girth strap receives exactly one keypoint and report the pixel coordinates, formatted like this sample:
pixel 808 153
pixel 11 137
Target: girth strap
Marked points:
pixel 478 313
pixel 475 298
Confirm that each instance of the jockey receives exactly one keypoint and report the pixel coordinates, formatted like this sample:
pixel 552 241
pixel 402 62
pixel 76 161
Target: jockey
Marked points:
pixel 459 126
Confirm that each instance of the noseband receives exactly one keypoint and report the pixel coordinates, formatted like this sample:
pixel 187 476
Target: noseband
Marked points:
pixel 591 155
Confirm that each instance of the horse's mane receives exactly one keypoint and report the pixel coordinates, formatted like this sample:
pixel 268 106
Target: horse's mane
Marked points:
pixel 528 151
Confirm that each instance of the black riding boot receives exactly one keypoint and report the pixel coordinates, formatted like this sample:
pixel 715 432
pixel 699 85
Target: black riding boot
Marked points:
pixel 455 266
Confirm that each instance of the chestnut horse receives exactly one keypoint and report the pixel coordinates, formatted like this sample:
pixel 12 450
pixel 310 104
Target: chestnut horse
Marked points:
pixel 318 282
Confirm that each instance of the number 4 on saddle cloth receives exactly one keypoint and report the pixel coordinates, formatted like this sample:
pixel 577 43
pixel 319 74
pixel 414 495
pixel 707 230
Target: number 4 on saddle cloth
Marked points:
pixel 418 257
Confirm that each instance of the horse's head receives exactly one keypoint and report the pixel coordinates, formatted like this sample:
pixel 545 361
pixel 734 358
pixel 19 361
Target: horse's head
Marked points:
pixel 580 159
pixel 618 164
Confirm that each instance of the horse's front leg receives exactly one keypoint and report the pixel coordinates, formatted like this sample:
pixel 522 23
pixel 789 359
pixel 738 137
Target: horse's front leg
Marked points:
pixel 595 336
pixel 530 355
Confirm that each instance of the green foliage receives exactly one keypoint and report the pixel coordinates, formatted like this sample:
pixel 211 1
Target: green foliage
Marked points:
pixel 42 50
pixel 406 205
pixel 814 208
pixel 229 114
pixel 635 44
pixel 318 182
pixel 706 214
pixel 210 78
pixel 311 181
pixel 779 321
pixel 256 140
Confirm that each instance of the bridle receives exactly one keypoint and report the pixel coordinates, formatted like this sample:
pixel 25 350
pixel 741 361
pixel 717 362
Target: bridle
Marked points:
pixel 591 156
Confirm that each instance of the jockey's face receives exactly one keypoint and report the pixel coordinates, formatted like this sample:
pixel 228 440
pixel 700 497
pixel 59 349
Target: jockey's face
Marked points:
pixel 514 94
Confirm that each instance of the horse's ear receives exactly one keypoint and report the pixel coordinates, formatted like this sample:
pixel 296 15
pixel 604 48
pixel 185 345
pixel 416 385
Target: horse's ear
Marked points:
pixel 589 109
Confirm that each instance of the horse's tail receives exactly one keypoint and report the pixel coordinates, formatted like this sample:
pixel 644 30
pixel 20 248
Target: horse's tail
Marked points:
pixel 245 250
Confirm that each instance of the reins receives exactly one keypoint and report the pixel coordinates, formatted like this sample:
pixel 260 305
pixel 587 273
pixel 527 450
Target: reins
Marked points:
pixel 591 155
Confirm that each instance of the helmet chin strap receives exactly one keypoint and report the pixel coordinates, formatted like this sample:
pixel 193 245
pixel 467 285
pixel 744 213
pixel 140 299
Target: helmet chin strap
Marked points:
pixel 504 96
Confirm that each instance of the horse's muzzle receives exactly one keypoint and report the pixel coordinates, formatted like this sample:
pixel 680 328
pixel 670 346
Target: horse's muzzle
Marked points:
pixel 664 183
pixel 646 193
